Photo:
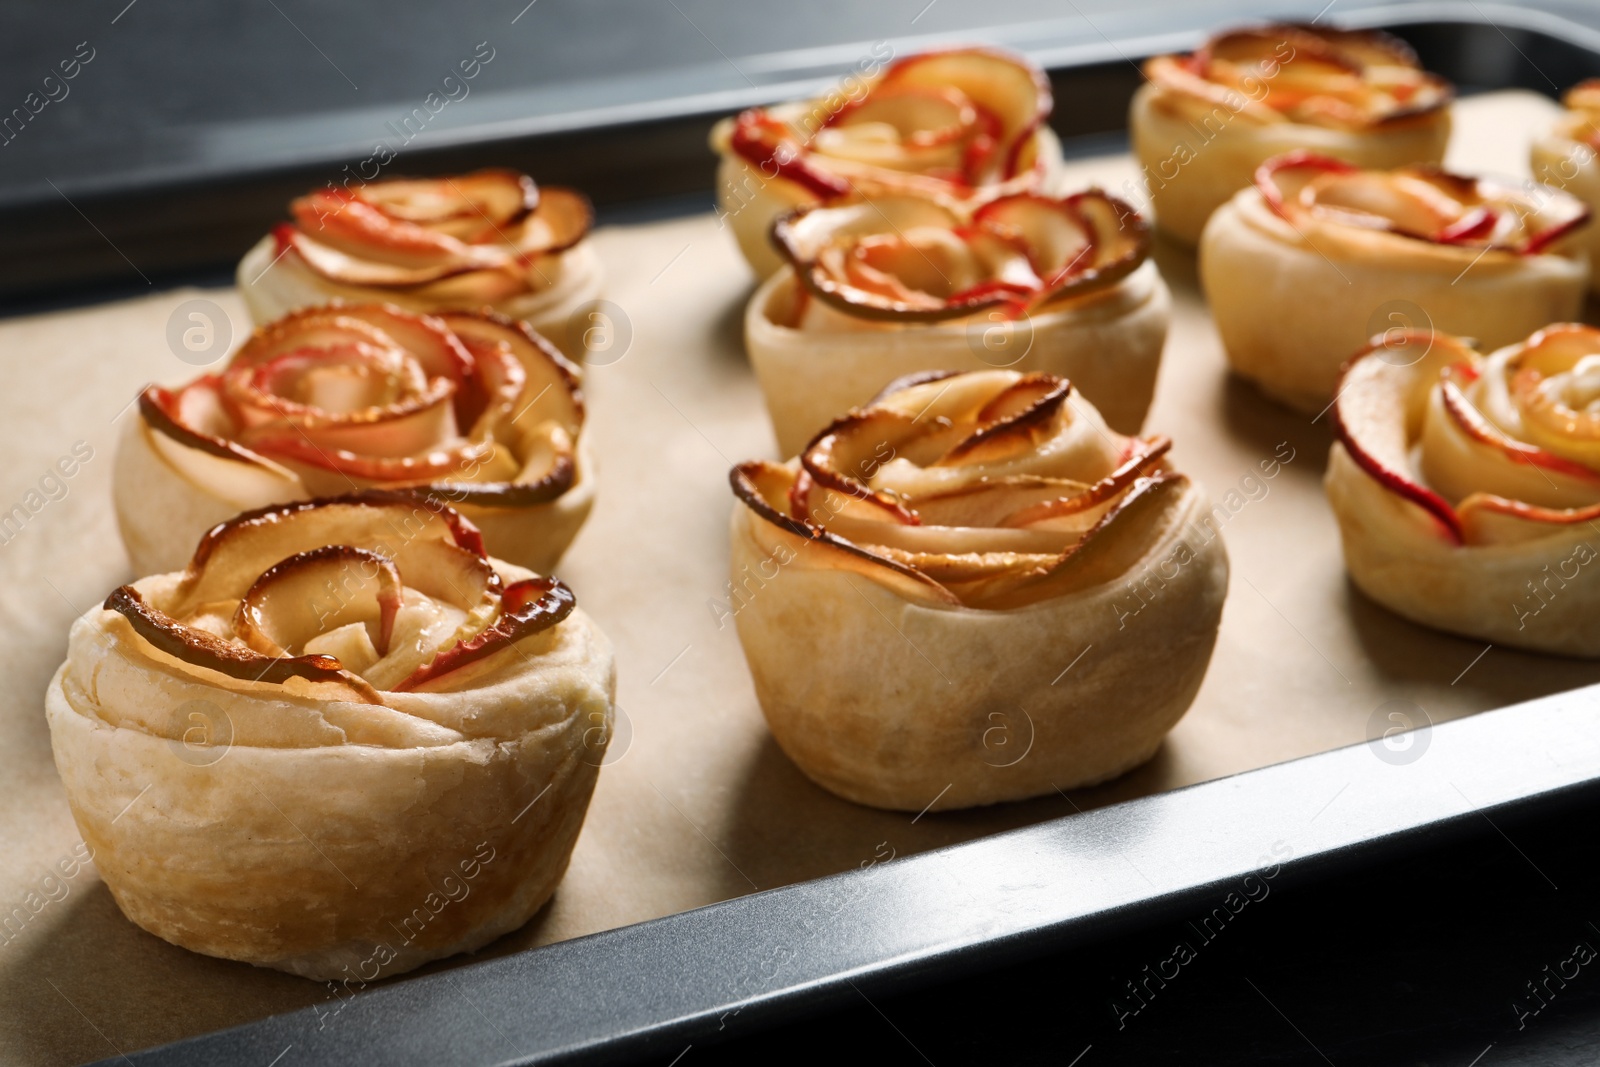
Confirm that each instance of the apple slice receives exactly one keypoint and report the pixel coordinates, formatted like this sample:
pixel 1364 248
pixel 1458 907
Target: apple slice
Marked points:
pixel 1076 244
pixel 1256 46
pixel 1316 70
pixel 468 207
pixel 1423 202
pixel 1558 216
pixel 770 147
pixel 1058 240
pixel 938 133
pixel 194 415
pixel 922 116
pixel 563 218
pixel 820 241
pixel 1283 178
pixel 1184 86
pixel 300 598
pixel 494 396
pixel 350 225
pixel 1353 79
pixel 1008 87
pixel 349 268
pixel 1142 456
pixel 1379 408
pixel 550 375
pixel 923 259
pixel 1108 550
pixel 959 543
pixel 988 501
pixel 527 607
pixel 197 648
pixel 765 488
pixel 843 458
pixel 1487 519
pixel 435 465
pixel 1554 382
pixel 339 399
pixel 422 338
pixel 1014 420
pixel 1457 437
pixel 233 554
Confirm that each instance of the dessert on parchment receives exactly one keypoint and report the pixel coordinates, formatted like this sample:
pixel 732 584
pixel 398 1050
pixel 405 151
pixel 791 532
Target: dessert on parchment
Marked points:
pixel 489 239
pixel 1467 486
pixel 469 408
pixel 1565 157
pixel 947 123
pixel 1318 257
pixel 972 590
pixel 872 290
pixel 1202 123
pixel 342 742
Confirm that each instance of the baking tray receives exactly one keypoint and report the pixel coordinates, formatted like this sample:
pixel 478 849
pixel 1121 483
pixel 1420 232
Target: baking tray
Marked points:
pixel 103 210
pixel 756 958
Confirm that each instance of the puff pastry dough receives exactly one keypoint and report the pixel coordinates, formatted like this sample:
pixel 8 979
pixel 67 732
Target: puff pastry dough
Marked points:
pixel 910 591
pixel 1202 123
pixel 491 238
pixel 1568 158
pixel 1318 256
pixel 474 408
pixel 940 123
pixel 874 290
pixel 341 743
pixel 1467 487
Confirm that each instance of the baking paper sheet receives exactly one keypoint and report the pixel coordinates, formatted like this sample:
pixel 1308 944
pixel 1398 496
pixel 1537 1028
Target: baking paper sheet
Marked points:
pixel 698 804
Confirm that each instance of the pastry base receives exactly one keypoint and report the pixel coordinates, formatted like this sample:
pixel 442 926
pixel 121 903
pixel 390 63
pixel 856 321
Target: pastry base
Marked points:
pixel 980 713
pixel 1192 169
pixel 330 860
pixel 162 513
pixel 1553 163
pixel 1291 310
pixel 1479 592
pixel 272 287
pixel 1108 344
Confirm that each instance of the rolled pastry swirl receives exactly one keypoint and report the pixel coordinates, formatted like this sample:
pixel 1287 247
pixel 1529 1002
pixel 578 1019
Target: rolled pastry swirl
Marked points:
pixel 875 290
pixel 909 589
pixel 470 408
pixel 343 742
pixel 1318 256
pixel 940 123
pixel 1202 123
pixel 491 238
pixel 1467 487
pixel 1566 158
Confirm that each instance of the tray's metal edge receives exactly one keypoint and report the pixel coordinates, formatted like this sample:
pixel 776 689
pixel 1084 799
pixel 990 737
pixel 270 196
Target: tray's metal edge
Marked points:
pixel 228 202
pixel 792 74
pixel 746 962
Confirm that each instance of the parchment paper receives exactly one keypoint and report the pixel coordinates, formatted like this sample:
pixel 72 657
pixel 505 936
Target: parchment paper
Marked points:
pixel 699 805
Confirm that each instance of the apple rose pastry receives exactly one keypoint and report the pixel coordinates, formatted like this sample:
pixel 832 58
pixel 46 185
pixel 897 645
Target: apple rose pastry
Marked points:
pixel 875 290
pixel 1301 269
pixel 945 123
pixel 1568 158
pixel 470 408
pixel 909 590
pixel 1467 487
pixel 343 742
pixel 1202 123
pixel 487 239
